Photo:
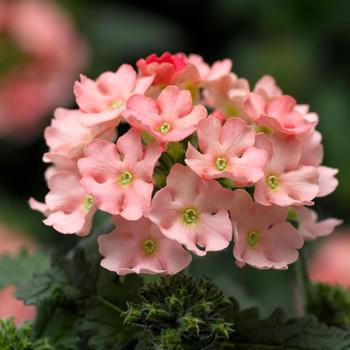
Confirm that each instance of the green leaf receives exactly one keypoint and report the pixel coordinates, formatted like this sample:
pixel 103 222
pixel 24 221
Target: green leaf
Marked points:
pixel 79 304
pixel 16 270
pixel 280 333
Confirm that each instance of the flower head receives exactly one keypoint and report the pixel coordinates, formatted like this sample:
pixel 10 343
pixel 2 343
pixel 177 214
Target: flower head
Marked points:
pixel 139 247
pixel 227 151
pixel 169 118
pixel 120 176
pixel 192 211
pixel 262 237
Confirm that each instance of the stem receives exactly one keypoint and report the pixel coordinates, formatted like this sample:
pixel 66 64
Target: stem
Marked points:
pixel 303 280
pixel 108 304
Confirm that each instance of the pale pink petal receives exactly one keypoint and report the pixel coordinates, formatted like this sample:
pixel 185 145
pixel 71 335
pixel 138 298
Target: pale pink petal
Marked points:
pixel 280 106
pixel 142 108
pixel 286 154
pixel 130 147
pixel 214 232
pixel 137 200
pixel 145 167
pixel 312 149
pixel 89 98
pixel 267 88
pixel 249 167
pixel 164 210
pixel 191 120
pixel 189 188
pixel 280 244
pixel 111 116
pixel 249 214
pixel 236 137
pixel 101 159
pixel 108 194
pixel 309 226
pixel 39 206
pixel 209 134
pixel 301 184
pixel 174 102
pixel 254 106
pixel 327 180
pixel 173 257
pixel 201 164
pixel 119 84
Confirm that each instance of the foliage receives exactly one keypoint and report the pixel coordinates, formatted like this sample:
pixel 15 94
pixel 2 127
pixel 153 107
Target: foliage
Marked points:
pixel 83 307
pixel 12 338
pixel 179 313
pixel 330 304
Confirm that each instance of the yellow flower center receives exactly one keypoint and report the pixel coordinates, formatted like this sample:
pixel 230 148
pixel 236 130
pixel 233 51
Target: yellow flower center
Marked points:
pixel 116 104
pixel 190 216
pixel 264 129
pixel 272 181
pixel 125 178
pixel 149 247
pixel 221 163
pixel 164 128
pixel 88 202
pixel 253 238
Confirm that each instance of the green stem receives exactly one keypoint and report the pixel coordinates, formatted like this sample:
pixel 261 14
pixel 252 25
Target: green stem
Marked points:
pixel 108 304
pixel 303 280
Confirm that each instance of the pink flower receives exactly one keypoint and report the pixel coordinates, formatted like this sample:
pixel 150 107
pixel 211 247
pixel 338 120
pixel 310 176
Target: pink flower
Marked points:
pixel 227 152
pixel 192 211
pixel 103 100
pixel 309 226
pixel 139 247
pixel 262 237
pixel 169 118
pixel 68 207
pixel 120 176
pixel 165 67
pixel 208 73
pixel 227 94
pixel 49 56
pixel 267 88
pixel 278 114
pixel 67 136
pixel 331 262
pixel 285 182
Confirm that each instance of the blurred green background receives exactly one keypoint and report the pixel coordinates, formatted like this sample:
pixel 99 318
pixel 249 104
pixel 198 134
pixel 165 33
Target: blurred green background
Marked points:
pixel 305 45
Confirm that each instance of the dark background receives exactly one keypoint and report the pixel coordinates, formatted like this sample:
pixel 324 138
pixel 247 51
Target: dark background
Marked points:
pixel 305 45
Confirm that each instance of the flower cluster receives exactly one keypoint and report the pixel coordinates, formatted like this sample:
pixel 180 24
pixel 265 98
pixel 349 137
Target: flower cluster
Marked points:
pixel 205 159
pixel 41 55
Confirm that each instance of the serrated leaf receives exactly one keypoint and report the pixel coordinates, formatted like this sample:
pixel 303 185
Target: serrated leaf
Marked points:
pixel 280 333
pixel 15 270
